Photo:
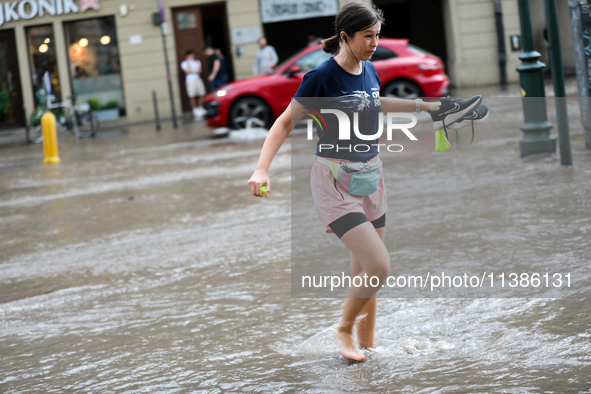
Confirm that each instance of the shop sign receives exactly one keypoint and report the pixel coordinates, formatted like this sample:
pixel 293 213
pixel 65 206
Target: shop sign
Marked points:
pixel 285 10
pixel 28 9
pixel 246 35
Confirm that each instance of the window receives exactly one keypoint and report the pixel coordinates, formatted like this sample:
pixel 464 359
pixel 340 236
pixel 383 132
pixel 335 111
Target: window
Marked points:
pixel 312 60
pixel 186 20
pixel 382 53
pixel 94 62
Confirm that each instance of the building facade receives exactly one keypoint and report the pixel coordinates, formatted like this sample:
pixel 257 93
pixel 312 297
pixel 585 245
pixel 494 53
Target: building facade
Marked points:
pixel 111 52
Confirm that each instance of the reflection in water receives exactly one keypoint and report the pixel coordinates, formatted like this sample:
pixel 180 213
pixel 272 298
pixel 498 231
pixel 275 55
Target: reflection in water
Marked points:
pixel 149 268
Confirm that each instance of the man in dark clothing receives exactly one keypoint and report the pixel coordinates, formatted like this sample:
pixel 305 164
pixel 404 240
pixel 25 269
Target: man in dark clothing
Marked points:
pixel 217 75
pixel 224 64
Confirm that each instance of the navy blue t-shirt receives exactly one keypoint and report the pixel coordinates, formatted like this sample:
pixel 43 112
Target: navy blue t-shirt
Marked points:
pixel 350 93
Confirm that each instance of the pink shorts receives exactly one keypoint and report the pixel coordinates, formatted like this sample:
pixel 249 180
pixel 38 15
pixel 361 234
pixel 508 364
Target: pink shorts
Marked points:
pixel 332 202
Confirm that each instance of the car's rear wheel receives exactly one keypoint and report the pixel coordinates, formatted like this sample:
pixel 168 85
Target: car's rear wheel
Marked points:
pixel 402 88
pixel 250 111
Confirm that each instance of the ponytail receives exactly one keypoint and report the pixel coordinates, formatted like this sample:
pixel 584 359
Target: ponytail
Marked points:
pixel 331 45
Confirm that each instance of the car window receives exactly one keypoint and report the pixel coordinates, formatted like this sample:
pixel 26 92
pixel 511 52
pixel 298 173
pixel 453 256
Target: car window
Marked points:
pixel 382 53
pixel 288 60
pixel 312 60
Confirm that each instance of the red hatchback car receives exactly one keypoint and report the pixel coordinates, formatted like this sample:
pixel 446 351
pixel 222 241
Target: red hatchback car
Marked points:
pixel 405 70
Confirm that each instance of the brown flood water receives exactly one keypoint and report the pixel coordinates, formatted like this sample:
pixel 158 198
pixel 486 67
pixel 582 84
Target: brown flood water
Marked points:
pixel 142 264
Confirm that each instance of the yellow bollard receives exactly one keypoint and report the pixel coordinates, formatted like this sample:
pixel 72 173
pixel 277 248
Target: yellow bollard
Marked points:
pixel 49 138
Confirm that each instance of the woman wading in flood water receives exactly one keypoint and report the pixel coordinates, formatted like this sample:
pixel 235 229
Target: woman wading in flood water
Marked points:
pixel 358 219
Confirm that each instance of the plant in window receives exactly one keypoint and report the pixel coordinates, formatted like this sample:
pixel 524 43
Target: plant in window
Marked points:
pixel 94 104
pixel 112 104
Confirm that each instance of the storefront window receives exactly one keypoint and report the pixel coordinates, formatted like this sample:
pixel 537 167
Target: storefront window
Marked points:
pixel 11 98
pixel 94 62
pixel 42 58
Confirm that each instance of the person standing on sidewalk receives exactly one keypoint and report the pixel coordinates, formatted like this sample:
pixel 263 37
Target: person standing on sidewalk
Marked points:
pixel 217 74
pixel 224 65
pixel 193 83
pixel 266 58
pixel 358 220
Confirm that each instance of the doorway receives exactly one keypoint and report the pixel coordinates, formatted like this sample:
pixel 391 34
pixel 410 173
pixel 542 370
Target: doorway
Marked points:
pixel 194 29
pixel 43 58
pixel 421 21
pixel 11 98
pixel 290 37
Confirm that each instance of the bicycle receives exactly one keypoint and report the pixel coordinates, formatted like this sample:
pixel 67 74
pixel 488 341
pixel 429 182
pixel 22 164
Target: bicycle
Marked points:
pixel 78 119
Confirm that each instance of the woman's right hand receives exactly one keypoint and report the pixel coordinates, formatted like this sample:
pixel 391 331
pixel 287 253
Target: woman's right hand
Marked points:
pixel 256 181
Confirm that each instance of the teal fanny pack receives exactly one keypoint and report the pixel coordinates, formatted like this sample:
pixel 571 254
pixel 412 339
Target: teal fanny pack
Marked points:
pixel 358 179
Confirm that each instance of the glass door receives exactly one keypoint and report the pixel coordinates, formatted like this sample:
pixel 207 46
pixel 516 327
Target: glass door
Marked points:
pixel 42 58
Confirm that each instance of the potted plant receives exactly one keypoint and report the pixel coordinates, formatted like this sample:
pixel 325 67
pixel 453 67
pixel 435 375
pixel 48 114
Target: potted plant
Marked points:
pixel 108 111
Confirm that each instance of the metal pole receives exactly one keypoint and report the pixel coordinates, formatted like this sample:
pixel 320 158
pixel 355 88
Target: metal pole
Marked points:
pixel 27 127
pixel 163 30
pixel 156 110
pixel 558 80
pixel 537 137
pixel 581 58
pixel 501 41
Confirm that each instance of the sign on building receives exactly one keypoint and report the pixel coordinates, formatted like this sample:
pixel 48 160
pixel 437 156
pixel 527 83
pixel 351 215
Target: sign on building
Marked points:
pixel 286 10
pixel 28 9
pixel 246 35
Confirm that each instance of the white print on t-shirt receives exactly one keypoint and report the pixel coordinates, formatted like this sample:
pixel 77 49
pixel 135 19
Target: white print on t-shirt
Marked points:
pixel 376 97
pixel 360 101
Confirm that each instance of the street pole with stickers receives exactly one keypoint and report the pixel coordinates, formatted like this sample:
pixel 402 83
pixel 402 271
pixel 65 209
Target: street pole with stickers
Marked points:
pixel 558 82
pixel 580 13
pixel 164 31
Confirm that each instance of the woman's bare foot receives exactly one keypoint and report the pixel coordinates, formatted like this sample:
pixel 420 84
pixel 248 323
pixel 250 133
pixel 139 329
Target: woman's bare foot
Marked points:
pixel 346 342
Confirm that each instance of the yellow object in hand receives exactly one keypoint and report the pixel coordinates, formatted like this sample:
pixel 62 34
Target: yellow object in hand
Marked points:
pixel 263 189
pixel 441 142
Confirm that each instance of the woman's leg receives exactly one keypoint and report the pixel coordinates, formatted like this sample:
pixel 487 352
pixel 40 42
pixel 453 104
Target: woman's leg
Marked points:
pixel 366 245
pixel 366 322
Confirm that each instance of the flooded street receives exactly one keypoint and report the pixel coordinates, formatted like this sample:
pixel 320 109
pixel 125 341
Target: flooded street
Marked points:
pixel 142 264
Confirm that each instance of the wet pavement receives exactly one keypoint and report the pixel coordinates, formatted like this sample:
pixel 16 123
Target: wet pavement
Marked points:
pixel 142 264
